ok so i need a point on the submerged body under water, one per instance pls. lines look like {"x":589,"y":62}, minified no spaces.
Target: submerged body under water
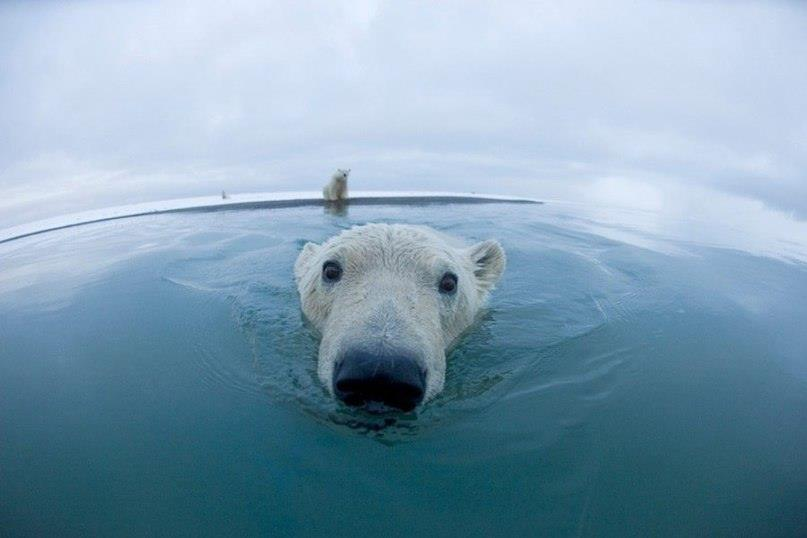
{"x":157,"y":377}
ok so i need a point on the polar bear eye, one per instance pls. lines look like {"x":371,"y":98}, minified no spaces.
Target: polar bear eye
{"x":448,"y":283}
{"x":331,"y":271}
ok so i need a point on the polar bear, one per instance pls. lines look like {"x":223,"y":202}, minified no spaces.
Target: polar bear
{"x":388,"y":300}
{"x":336,"y":189}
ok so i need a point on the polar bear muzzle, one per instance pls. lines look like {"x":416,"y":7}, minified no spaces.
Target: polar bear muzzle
{"x":397,"y":381}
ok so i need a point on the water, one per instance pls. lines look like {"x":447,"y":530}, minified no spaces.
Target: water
{"x":156,"y":377}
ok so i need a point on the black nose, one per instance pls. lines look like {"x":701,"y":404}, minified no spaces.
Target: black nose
{"x":394,"y":380}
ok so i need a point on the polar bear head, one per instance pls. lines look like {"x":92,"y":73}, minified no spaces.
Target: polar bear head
{"x":388,"y":301}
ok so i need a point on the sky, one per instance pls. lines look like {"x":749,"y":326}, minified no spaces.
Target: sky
{"x":638,"y":104}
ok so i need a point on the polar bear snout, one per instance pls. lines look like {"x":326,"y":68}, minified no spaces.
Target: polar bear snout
{"x":395,"y":380}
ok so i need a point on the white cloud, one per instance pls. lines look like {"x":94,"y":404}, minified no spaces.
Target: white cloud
{"x":146,"y":100}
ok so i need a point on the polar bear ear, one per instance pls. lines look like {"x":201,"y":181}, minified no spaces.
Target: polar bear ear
{"x":305,"y":259}
{"x":489,"y":260}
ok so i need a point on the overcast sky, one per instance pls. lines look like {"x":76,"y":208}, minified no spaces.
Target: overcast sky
{"x":108,"y":103}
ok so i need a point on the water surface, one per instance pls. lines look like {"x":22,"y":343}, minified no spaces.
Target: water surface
{"x":156,"y":377}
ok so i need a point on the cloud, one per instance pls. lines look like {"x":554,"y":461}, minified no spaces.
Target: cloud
{"x":138,"y":101}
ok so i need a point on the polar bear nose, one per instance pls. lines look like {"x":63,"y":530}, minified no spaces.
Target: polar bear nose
{"x":394,"y":380}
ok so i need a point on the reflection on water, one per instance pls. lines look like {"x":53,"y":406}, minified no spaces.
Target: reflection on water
{"x":158,"y":371}
{"x":337,"y":208}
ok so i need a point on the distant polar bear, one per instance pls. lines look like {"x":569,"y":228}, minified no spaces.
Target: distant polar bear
{"x":336,"y":189}
{"x":388,"y":301}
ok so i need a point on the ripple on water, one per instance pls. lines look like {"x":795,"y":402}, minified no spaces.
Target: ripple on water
{"x":557,"y":290}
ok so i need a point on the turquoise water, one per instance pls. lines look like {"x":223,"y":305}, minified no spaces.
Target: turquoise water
{"x":156,"y":377}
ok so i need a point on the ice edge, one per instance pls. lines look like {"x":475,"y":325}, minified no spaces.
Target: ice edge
{"x":246,"y":201}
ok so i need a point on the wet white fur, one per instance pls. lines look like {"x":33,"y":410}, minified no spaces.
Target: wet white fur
{"x":388,"y":297}
{"x":336,"y":189}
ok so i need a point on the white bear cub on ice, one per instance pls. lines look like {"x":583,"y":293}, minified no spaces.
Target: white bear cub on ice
{"x":336,"y":189}
{"x":388,"y":301}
